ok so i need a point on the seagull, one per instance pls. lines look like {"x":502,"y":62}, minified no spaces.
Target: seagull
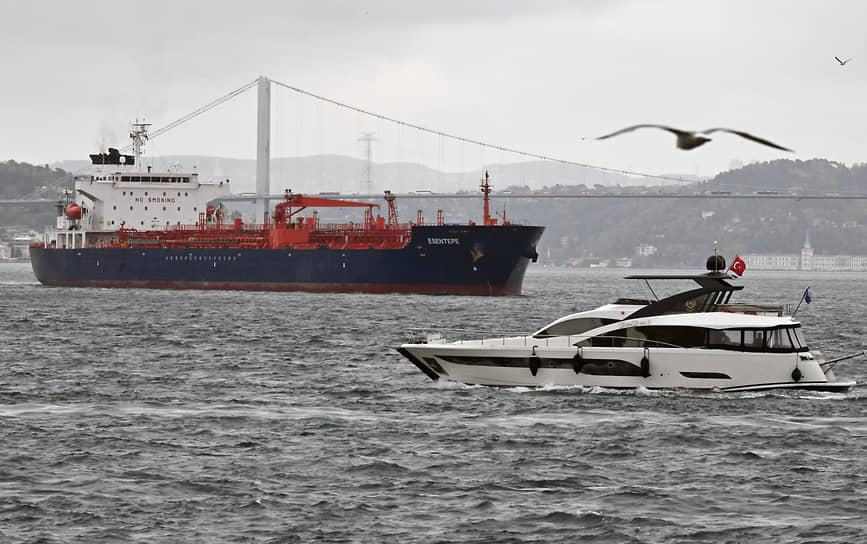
{"x":842,"y":62}
{"x":691,"y":139}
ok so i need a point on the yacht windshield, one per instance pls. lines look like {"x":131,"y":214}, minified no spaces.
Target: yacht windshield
{"x":571,"y":327}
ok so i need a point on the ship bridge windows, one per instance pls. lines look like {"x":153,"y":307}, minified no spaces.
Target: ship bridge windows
{"x":154,"y":179}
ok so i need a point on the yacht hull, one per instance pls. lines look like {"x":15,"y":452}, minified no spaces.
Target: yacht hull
{"x":652,"y":368}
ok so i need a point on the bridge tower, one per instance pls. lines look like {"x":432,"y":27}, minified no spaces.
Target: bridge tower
{"x":263,"y":149}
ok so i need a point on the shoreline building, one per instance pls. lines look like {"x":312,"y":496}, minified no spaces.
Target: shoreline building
{"x":807,"y":260}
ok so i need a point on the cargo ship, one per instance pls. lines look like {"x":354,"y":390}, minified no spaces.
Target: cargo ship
{"x":126,"y":227}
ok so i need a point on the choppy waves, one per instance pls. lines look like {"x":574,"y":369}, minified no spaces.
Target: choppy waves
{"x":136,"y":415}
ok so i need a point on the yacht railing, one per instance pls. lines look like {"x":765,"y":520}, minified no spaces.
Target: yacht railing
{"x":425,"y":336}
{"x":778,"y":310}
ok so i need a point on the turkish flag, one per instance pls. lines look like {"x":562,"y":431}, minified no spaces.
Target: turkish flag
{"x":738,"y":266}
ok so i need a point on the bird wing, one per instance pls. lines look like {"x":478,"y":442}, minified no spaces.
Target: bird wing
{"x":633,"y":127}
{"x":838,"y":60}
{"x":749,"y":136}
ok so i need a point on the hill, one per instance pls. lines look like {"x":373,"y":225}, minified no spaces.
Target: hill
{"x":19,"y":179}
{"x":683,"y":231}
{"x":579,"y":230}
{"x":333,"y":173}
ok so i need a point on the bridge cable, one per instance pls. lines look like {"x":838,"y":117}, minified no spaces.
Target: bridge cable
{"x":478,"y":142}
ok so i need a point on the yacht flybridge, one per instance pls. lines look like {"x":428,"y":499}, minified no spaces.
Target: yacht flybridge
{"x":696,"y":339}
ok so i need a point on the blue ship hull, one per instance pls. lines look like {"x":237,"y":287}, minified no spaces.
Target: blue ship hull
{"x":448,"y":259}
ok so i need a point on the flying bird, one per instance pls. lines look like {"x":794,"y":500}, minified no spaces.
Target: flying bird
{"x":691,"y":139}
{"x":842,"y":62}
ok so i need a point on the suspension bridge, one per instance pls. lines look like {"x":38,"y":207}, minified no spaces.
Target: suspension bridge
{"x":385,"y":139}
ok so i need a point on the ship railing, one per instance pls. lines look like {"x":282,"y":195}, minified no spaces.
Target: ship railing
{"x":217,"y":227}
{"x":424,"y":335}
{"x":483,"y":338}
{"x":360,"y":227}
{"x":351,"y":227}
{"x":419,"y":335}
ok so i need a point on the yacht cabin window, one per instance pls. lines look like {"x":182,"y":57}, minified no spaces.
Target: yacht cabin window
{"x":724,"y":338}
{"x":780,"y":339}
{"x":754,"y":339}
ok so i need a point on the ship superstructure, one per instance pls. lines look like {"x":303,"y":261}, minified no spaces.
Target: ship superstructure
{"x":119,"y":195}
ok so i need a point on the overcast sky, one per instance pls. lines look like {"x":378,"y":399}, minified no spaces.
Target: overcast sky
{"x":535,"y":76}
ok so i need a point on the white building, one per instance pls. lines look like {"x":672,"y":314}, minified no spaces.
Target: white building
{"x":807,"y":260}
{"x":645,"y":250}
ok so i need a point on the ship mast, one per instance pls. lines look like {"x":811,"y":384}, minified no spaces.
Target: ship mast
{"x":139,"y":134}
{"x":392,"y":210}
{"x":486,"y":188}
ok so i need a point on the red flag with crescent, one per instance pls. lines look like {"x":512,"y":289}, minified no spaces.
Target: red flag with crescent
{"x":738,"y":266}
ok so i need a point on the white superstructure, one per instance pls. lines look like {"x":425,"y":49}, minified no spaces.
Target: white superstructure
{"x":120,"y":193}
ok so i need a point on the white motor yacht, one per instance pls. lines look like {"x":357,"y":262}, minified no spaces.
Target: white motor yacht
{"x":696,"y":339}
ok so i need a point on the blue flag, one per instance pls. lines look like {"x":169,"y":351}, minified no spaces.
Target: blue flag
{"x":807,"y":298}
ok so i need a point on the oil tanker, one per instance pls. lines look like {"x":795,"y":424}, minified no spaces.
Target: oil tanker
{"x":126,"y":227}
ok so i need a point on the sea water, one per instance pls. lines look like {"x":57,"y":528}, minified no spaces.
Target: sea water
{"x":132,"y":415}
